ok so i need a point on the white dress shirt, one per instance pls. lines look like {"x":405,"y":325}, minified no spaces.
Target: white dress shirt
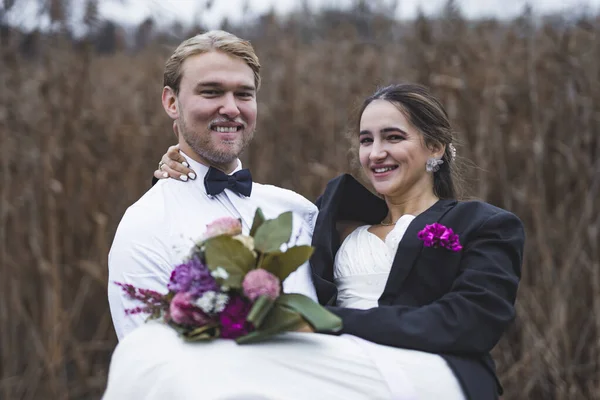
{"x":158,"y":231}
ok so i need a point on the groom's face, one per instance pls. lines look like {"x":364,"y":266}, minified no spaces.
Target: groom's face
{"x":216,"y":107}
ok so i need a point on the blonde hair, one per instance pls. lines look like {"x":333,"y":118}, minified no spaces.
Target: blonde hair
{"x":203,"y":43}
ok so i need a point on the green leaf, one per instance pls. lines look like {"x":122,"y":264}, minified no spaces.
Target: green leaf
{"x":156,"y":314}
{"x":259,"y":219}
{"x":273,"y":233}
{"x":206,"y":332}
{"x":289,"y":312}
{"x":234,"y":281}
{"x":282,"y":264}
{"x":321,"y":319}
{"x":260,"y":309}
{"x":232,"y":256}
{"x":280,"y":319}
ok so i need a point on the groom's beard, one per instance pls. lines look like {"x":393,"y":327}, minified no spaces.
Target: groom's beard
{"x":208,"y":146}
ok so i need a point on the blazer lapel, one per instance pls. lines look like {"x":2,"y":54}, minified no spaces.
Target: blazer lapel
{"x":410,"y":248}
{"x":344,"y":199}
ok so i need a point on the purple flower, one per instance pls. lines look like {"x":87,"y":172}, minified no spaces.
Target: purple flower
{"x":184,"y":312}
{"x":260,"y":282}
{"x":437,"y":235}
{"x":193,"y":277}
{"x":223,"y":226}
{"x":233,"y":318}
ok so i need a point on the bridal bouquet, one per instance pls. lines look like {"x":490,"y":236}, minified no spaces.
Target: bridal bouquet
{"x":230,"y":285}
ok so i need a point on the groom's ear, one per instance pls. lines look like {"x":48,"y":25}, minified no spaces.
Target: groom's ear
{"x":169,"y":102}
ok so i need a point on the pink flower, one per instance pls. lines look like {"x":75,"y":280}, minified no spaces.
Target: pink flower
{"x":260,"y":282}
{"x":437,"y":235}
{"x":182,"y":311}
{"x":223,"y":226}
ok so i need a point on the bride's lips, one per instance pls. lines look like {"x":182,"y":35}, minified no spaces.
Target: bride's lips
{"x":383,"y":170}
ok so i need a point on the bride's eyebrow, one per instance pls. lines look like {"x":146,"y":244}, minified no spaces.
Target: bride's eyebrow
{"x":384,"y":130}
{"x":393,"y":129}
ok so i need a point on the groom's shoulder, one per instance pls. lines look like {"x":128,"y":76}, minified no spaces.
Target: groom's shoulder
{"x":152,"y":200}
{"x":150,"y":209}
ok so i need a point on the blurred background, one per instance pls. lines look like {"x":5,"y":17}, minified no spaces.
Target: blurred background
{"x":82,"y":129}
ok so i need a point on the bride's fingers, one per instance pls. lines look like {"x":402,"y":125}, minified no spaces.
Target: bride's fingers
{"x":159,"y":174}
{"x":174,"y":154}
{"x":175,"y":170}
{"x":173,"y":165}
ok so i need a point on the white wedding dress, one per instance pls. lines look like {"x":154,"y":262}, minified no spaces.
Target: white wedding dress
{"x":153,"y":363}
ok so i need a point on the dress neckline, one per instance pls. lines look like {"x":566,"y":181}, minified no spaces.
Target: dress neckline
{"x":406,"y":220}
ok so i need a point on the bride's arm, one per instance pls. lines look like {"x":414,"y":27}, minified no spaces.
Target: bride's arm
{"x":472,"y":316}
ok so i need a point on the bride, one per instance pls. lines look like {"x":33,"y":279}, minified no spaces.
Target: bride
{"x":425,"y":285}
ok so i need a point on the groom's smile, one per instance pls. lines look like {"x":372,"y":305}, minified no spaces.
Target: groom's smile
{"x":227,"y":131}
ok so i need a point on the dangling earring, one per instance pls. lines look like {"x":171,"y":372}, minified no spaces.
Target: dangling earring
{"x":433,"y":164}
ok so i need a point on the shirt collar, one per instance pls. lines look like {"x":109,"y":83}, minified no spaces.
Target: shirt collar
{"x":201,"y":170}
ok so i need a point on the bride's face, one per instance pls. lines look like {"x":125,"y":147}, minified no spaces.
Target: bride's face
{"x":392,"y":151}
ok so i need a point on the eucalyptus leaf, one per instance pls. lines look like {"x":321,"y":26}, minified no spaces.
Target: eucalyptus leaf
{"x":321,"y":319}
{"x":260,"y":309}
{"x":273,"y":233}
{"x":234,"y":281}
{"x":259,"y":219}
{"x":282,"y":264}
{"x":232,"y":256}
{"x":206,"y":332}
{"x":279,"y":319}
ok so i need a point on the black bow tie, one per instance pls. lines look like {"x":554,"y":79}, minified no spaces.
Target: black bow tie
{"x":216,"y":181}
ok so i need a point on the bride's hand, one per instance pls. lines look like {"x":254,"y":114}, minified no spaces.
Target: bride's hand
{"x":172,"y":164}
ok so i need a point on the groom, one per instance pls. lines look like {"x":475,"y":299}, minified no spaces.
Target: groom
{"x":210,"y":87}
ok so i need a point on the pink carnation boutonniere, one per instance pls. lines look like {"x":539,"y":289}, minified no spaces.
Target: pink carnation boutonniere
{"x":437,"y":235}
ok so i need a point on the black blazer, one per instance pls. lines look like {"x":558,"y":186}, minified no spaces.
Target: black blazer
{"x":455,"y":304}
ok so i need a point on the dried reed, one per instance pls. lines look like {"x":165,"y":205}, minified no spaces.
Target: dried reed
{"x":80,"y":134}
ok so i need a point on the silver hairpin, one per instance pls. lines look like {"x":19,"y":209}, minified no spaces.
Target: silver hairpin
{"x":452,"y":150}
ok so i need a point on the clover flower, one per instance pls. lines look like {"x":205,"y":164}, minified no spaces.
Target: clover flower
{"x":259,"y":282}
